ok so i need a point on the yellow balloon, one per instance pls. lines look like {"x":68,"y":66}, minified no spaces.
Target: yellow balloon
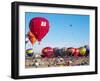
{"x":82,"y":50}
{"x":29,"y":51}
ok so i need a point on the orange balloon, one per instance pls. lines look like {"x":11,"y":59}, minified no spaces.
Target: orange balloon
{"x":32,"y":38}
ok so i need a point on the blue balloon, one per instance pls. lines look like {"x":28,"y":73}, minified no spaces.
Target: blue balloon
{"x":87,"y":50}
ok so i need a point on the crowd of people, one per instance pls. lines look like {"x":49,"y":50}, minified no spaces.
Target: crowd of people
{"x":58,"y":61}
{"x":59,"y":57}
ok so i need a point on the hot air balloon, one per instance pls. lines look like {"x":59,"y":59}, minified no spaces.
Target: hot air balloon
{"x":82,"y":51}
{"x":57,"y":52}
{"x":47,"y":51}
{"x":87,"y":50}
{"x":76,"y":52}
{"x":39,"y":26}
{"x":70,"y":51}
{"x":31,"y":37}
{"x":29,"y":52}
{"x":63,"y":52}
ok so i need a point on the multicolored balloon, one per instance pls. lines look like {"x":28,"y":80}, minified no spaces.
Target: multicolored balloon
{"x":39,"y":26}
{"x":71,"y":50}
{"x":47,"y":51}
{"x":32,"y":37}
{"x":29,"y":52}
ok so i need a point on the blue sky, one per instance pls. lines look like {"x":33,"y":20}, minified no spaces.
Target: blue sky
{"x":61,"y":34}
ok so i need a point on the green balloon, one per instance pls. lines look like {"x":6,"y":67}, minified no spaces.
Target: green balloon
{"x":82,"y":51}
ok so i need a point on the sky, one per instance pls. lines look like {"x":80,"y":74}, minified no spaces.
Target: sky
{"x":66,"y":30}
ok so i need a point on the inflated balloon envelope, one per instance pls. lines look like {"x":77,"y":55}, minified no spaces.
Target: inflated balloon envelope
{"x":29,"y":52}
{"x":39,"y":26}
{"x":82,"y":50}
{"x":47,"y":51}
{"x":32,"y":38}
